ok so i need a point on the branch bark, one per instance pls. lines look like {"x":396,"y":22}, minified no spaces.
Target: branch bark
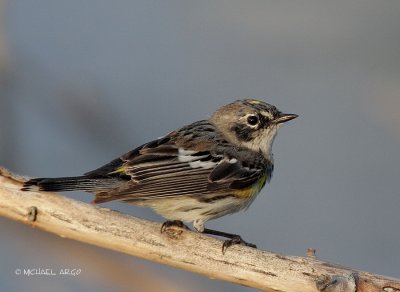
{"x":182,"y":249}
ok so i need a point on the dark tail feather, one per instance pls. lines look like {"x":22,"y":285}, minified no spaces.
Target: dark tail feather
{"x":75,"y":183}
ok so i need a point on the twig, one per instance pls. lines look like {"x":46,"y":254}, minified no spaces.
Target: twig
{"x":182,"y":249}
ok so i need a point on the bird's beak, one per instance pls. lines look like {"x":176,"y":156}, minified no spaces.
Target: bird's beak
{"x":282,"y":118}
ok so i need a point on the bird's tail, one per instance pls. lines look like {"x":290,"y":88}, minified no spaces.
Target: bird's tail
{"x":74,"y":183}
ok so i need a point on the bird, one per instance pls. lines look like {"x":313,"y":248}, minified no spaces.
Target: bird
{"x":199,"y":172}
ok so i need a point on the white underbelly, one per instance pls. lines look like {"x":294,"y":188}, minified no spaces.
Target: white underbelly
{"x":188,"y":209}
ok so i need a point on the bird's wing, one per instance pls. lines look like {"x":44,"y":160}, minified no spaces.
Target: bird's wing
{"x":165,"y":168}
{"x":234,"y":175}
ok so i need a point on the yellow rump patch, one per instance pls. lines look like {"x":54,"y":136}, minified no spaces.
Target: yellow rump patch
{"x":118,"y":170}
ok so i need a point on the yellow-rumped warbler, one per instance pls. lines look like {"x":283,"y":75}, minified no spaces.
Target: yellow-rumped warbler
{"x":200,"y":172}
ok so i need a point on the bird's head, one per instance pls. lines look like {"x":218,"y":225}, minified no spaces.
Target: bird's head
{"x":250,"y":123}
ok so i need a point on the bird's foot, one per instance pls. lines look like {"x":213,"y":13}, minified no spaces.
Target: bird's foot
{"x":233,"y":239}
{"x":172,"y":223}
{"x":237,"y":239}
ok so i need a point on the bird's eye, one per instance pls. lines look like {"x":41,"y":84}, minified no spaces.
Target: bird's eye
{"x":252,"y":120}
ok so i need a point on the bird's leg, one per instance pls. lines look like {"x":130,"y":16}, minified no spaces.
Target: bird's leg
{"x":233,"y":239}
{"x":170,"y":223}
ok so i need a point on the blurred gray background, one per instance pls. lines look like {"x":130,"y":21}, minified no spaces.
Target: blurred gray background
{"x":85,"y":81}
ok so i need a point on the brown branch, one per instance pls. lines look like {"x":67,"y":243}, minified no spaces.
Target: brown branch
{"x":182,"y":249}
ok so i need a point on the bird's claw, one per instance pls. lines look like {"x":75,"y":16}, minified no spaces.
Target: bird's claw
{"x":236,"y":240}
{"x":171,"y":223}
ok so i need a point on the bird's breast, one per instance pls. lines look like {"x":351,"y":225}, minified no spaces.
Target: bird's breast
{"x":252,"y":190}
